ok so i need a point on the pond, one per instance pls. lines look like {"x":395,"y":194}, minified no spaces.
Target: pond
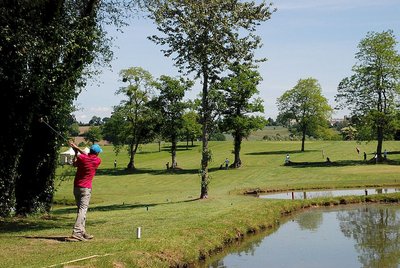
{"x":329,"y":193}
{"x":344,"y":236}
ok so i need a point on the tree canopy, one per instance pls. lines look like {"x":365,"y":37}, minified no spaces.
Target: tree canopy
{"x":372,"y":92}
{"x":172,"y":108}
{"x":305,"y":105}
{"x":241,"y":104}
{"x":46,"y":48}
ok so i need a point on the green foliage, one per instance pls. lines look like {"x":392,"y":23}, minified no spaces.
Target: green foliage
{"x":372,"y":92}
{"x":191,"y":126}
{"x":93,"y":134}
{"x":139,"y":120}
{"x":171,"y":107}
{"x":74,"y":130}
{"x":305,"y":105}
{"x":349,"y":133}
{"x":45,"y":49}
{"x":239,"y":90}
{"x":95,"y":121}
{"x":217,"y":136}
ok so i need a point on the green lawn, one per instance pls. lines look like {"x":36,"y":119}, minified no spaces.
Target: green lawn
{"x":177,"y":228}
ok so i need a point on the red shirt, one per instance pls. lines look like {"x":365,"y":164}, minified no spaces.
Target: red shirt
{"x":87,"y":165}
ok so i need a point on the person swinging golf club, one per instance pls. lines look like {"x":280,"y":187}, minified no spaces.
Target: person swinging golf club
{"x":86,"y":165}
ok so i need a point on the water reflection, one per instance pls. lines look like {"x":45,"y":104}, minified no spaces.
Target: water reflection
{"x":329,"y":193}
{"x":363,"y":236}
{"x":376,"y":234}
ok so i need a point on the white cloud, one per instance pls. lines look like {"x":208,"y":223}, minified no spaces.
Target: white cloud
{"x":329,"y":4}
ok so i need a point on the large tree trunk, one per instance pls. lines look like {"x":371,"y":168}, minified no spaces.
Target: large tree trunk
{"x":237,"y":144}
{"x":205,"y":152}
{"x":173,"y":153}
{"x":132,"y":149}
{"x":379,"y":146}
{"x":303,"y":139}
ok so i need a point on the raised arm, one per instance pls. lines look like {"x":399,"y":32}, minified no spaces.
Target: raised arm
{"x":76,"y":148}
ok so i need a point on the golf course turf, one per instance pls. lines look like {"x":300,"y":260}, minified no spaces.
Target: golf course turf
{"x":177,"y":228}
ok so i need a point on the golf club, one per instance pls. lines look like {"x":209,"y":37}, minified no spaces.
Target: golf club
{"x":41,"y":120}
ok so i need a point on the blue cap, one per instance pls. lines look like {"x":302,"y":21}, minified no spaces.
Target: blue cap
{"x":96,"y":148}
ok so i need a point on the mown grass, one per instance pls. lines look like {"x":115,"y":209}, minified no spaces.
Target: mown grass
{"x":177,"y":228}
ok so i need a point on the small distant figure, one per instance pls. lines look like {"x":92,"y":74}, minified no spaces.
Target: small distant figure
{"x":115,"y":163}
{"x":226,"y":163}
{"x":365,"y":156}
{"x":323,"y":154}
{"x":328,"y":160}
{"x":287,"y":159}
{"x":376,"y":157}
{"x":167,"y":165}
{"x":385,"y":154}
{"x":358,"y":150}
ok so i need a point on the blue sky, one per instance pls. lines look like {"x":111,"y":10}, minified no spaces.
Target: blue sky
{"x":303,"y":38}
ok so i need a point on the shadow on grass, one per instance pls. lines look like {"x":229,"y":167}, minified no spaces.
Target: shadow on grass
{"x":281,"y":152}
{"x":57,"y":238}
{"x":122,"y":206}
{"x":119,"y":172}
{"x":11,"y":225}
{"x":179,"y":148}
{"x":340,"y":163}
{"x":16,"y":225}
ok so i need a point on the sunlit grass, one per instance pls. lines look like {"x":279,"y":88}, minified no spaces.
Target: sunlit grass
{"x":176,"y":227}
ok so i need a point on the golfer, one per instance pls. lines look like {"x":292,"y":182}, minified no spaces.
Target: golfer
{"x":87,"y":165}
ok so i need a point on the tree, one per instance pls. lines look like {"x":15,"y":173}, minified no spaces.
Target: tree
{"x":205,"y":37}
{"x":372,"y":92}
{"x":305,"y":105}
{"x":95,"y":121}
{"x":115,"y":130}
{"x":172,"y":107}
{"x":93,"y":134}
{"x":141,"y":119}
{"x":191,"y":126}
{"x":45,"y":49}
{"x":239,"y":89}
{"x":375,"y":232}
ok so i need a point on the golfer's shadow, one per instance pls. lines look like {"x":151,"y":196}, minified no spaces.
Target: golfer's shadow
{"x":56,"y":238}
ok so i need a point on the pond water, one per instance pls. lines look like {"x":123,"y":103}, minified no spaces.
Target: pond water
{"x":329,"y":193}
{"x":344,"y":236}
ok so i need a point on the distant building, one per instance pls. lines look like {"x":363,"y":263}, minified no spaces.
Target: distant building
{"x":335,"y":121}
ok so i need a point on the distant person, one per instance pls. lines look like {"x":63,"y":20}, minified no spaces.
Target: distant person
{"x":226,"y":163}
{"x":328,"y":160}
{"x":365,"y":156}
{"x":385,"y":154}
{"x":167,"y":165}
{"x":86,"y":165}
{"x":115,"y":163}
{"x":358,"y":150}
{"x":287,"y":159}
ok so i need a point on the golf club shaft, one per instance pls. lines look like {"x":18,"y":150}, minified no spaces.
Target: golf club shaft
{"x":55,"y":131}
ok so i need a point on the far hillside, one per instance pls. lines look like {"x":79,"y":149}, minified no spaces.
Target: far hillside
{"x":269,"y":133}
{"x":80,"y":140}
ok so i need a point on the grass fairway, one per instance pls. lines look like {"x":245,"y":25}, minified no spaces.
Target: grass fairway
{"x":177,"y":228}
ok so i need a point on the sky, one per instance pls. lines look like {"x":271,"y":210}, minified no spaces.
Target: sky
{"x":303,"y":38}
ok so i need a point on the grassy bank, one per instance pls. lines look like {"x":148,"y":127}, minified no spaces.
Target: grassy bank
{"x":177,"y":228}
